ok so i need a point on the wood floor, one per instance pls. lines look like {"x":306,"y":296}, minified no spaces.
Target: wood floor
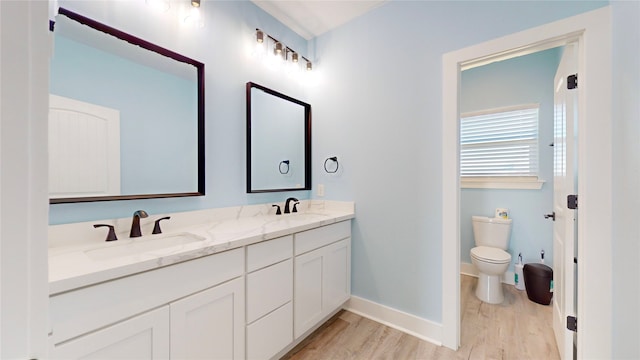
{"x":515,"y":329}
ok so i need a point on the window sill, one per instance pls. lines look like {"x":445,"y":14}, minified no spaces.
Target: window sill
{"x":516,"y":183}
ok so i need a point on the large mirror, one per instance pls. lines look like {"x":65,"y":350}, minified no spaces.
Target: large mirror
{"x":278,"y":141}
{"x":126,"y":117}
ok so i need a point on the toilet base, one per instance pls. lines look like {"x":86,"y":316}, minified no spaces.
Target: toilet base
{"x":489,"y":289}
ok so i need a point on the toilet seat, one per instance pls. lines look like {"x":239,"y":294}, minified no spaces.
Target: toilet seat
{"x":490,"y":255}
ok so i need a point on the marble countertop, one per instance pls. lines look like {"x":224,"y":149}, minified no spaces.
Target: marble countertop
{"x":74,"y":264}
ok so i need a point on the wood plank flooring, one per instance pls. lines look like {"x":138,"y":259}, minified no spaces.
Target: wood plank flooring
{"x":515,"y":329}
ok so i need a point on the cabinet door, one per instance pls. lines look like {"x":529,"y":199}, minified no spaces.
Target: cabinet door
{"x":307,"y":291}
{"x":209,"y":324}
{"x":144,"y":336}
{"x":336,"y":275}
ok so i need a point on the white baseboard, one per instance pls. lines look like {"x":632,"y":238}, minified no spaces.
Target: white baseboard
{"x":470,"y":269}
{"x":421,"y":328}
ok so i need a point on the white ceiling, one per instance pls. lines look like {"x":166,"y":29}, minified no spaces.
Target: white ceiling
{"x":311,"y":18}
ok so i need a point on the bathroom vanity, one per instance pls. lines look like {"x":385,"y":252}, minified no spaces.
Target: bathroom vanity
{"x":244,"y":284}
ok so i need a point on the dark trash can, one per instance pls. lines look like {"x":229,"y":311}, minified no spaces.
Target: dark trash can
{"x":538,"y":280}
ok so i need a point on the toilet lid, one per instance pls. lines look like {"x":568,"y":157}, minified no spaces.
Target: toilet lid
{"x":490,"y":254}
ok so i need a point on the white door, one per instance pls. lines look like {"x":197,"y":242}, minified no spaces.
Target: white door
{"x":84,"y":149}
{"x":565,"y":183}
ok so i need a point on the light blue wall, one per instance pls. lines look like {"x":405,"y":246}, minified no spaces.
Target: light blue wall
{"x":225,"y":45}
{"x":524,"y":80}
{"x":626,"y":177}
{"x":378,"y":107}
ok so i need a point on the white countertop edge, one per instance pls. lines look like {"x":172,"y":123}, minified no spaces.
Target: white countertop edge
{"x":90,"y":272}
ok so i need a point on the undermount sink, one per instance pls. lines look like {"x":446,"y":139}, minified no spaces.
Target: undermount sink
{"x":153,"y":244}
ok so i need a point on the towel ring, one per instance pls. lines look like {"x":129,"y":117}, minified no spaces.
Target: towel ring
{"x":334,"y":159}
{"x":285,"y":162}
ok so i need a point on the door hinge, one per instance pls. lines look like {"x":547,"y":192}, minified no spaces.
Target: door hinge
{"x":572,"y":81}
{"x":572,"y":202}
{"x":572,"y":323}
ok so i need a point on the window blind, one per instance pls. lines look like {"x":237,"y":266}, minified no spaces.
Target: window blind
{"x":499,"y":143}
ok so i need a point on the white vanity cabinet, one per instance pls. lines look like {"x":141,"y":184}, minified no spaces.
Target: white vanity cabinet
{"x":322,"y":268}
{"x":255,"y":301}
{"x":269,"y":297}
{"x":187,"y":310}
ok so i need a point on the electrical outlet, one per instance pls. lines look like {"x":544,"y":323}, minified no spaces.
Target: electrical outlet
{"x":320,"y":189}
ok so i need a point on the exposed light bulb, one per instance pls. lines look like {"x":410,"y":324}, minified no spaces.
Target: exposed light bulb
{"x":194,"y":19}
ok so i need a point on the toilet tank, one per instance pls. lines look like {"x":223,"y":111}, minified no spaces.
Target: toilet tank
{"x":493,"y":232}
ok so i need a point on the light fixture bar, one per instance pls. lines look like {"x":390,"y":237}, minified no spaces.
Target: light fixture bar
{"x":280,"y":48}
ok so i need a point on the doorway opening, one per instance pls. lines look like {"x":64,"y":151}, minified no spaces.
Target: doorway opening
{"x":510,"y":121}
{"x":592,"y":33}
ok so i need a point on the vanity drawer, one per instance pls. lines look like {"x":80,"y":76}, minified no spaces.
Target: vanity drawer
{"x":269,"y":252}
{"x":267,"y":336}
{"x":268,"y":289}
{"x":79,"y":311}
{"x":316,"y":238}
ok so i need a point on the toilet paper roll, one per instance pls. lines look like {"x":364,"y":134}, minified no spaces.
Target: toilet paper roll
{"x":502,"y":213}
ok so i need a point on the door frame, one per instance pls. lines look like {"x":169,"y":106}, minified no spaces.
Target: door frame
{"x":24,"y":94}
{"x":593,"y":30}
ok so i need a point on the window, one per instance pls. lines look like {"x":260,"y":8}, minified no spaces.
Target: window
{"x":499,"y":148}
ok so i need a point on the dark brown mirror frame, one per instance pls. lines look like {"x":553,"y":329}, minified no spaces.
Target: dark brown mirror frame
{"x":307,"y":139}
{"x":164,"y":52}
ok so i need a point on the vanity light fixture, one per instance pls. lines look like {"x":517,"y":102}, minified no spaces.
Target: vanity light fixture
{"x":195,"y":3}
{"x":281,"y":50}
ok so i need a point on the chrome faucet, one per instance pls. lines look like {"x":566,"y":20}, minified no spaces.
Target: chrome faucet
{"x":135,"y":223}
{"x":286,"y":205}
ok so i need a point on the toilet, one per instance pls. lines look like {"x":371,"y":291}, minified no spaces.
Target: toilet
{"x":491,"y":236}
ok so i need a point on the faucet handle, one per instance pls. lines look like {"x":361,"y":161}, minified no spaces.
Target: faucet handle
{"x":111,"y":236}
{"x":278,"y":212}
{"x":156,"y":226}
{"x":295,"y":209}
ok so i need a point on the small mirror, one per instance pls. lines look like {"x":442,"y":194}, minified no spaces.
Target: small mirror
{"x":278,"y":141}
{"x":126,"y":117}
